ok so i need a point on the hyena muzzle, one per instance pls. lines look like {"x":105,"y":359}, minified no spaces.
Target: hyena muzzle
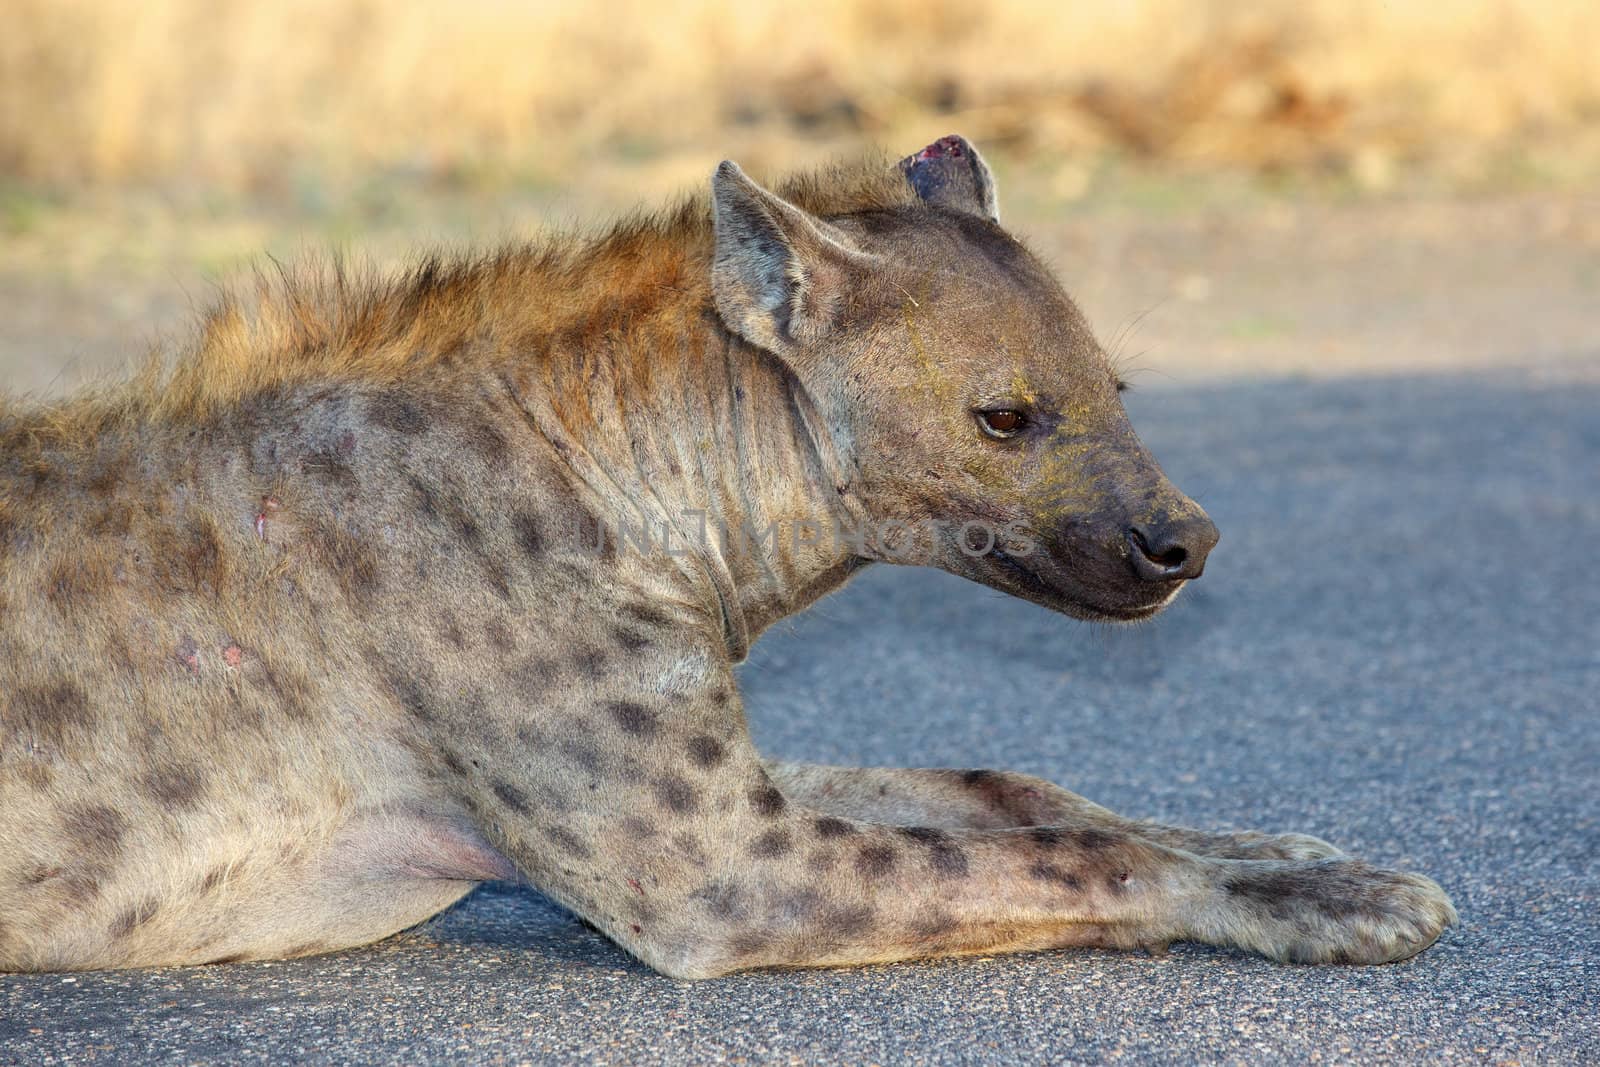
{"x":383,"y":589}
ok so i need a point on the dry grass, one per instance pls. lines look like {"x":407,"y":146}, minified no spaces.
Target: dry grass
{"x":257,"y":94}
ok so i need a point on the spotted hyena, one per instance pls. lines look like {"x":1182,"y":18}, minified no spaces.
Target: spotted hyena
{"x":383,"y":589}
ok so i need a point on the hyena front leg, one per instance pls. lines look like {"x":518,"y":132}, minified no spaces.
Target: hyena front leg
{"x":651,"y":815}
{"x":982,"y":799}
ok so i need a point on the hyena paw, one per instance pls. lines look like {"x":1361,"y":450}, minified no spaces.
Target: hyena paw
{"x":1328,"y":911}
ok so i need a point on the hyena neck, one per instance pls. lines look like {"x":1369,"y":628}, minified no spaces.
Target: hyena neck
{"x":791,"y":519}
{"x":696,"y":449}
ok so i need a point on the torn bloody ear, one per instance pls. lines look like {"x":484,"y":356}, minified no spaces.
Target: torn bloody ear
{"x":949,"y":173}
{"x":779,"y":274}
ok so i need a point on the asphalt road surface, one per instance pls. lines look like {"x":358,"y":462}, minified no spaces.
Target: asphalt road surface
{"x":1396,"y":647}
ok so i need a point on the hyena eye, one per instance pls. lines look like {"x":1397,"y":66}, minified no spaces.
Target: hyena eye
{"x":1002,"y":423}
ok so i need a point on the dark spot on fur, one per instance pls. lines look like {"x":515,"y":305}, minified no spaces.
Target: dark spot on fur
{"x":632,"y":641}
{"x":95,"y":828}
{"x":530,"y":538}
{"x":329,"y":466}
{"x":590,"y":662}
{"x":792,"y":908}
{"x":633,"y":717}
{"x":499,"y":635}
{"x":40,"y":873}
{"x":49,"y":712}
{"x":532,"y":677}
{"x":875,"y":861}
{"x":213,"y":878}
{"x":1093,"y":840}
{"x":723,"y":900}
{"x":73,"y":583}
{"x":191,"y":560}
{"x":705,"y":751}
{"x":441,"y":505}
{"x":290,"y":685}
{"x":949,"y":860}
{"x":568,"y":841}
{"x":487,"y":440}
{"x":634,"y":826}
{"x":935,"y":927}
{"x":497,"y":576}
{"x":766,"y":800}
{"x":453,"y":764}
{"x":466,"y":526}
{"x":513,"y":797}
{"x":81,"y":884}
{"x":410,"y":695}
{"x":719,"y":697}
{"x":770,"y":845}
{"x":351,"y":559}
{"x":1055,"y":837}
{"x":1049,"y":872}
{"x":644,"y":613}
{"x":678,"y":795}
{"x":177,"y":787}
{"x":393,"y":410}
{"x":828,"y":826}
{"x":79,"y":880}
{"x":850,"y":920}
{"x":689,"y":847}
{"x":1005,"y":793}
{"x":588,"y":533}
{"x":426,"y":499}
{"x":450,"y":631}
{"x":1285,"y":894}
{"x":748,"y":943}
{"x":237,"y":957}
{"x":925,"y":835}
{"x":944,"y":855}
{"x":582,"y":751}
{"x":130,"y":919}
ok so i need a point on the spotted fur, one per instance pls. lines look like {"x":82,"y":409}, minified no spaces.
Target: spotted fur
{"x":384,"y":587}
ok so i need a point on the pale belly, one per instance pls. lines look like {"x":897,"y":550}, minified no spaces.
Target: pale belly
{"x":265,"y":891}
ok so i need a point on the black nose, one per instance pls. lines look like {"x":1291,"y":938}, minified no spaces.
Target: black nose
{"x":1169,"y":551}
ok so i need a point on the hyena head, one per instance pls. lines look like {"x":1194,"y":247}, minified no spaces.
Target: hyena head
{"x":963,"y":390}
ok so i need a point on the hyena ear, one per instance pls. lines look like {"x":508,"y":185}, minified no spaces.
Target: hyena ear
{"x":950,"y":173}
{"x":779,"y":274}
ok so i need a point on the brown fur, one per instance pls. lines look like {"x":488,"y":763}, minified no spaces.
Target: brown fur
{"x":383,"y":588}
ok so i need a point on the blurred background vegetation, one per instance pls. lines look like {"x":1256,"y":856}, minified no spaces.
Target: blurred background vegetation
{"x":273,"y":97}
{"x":174,"y":139}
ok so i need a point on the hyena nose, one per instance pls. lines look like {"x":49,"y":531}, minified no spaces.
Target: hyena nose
{"x":1172,"y":550}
